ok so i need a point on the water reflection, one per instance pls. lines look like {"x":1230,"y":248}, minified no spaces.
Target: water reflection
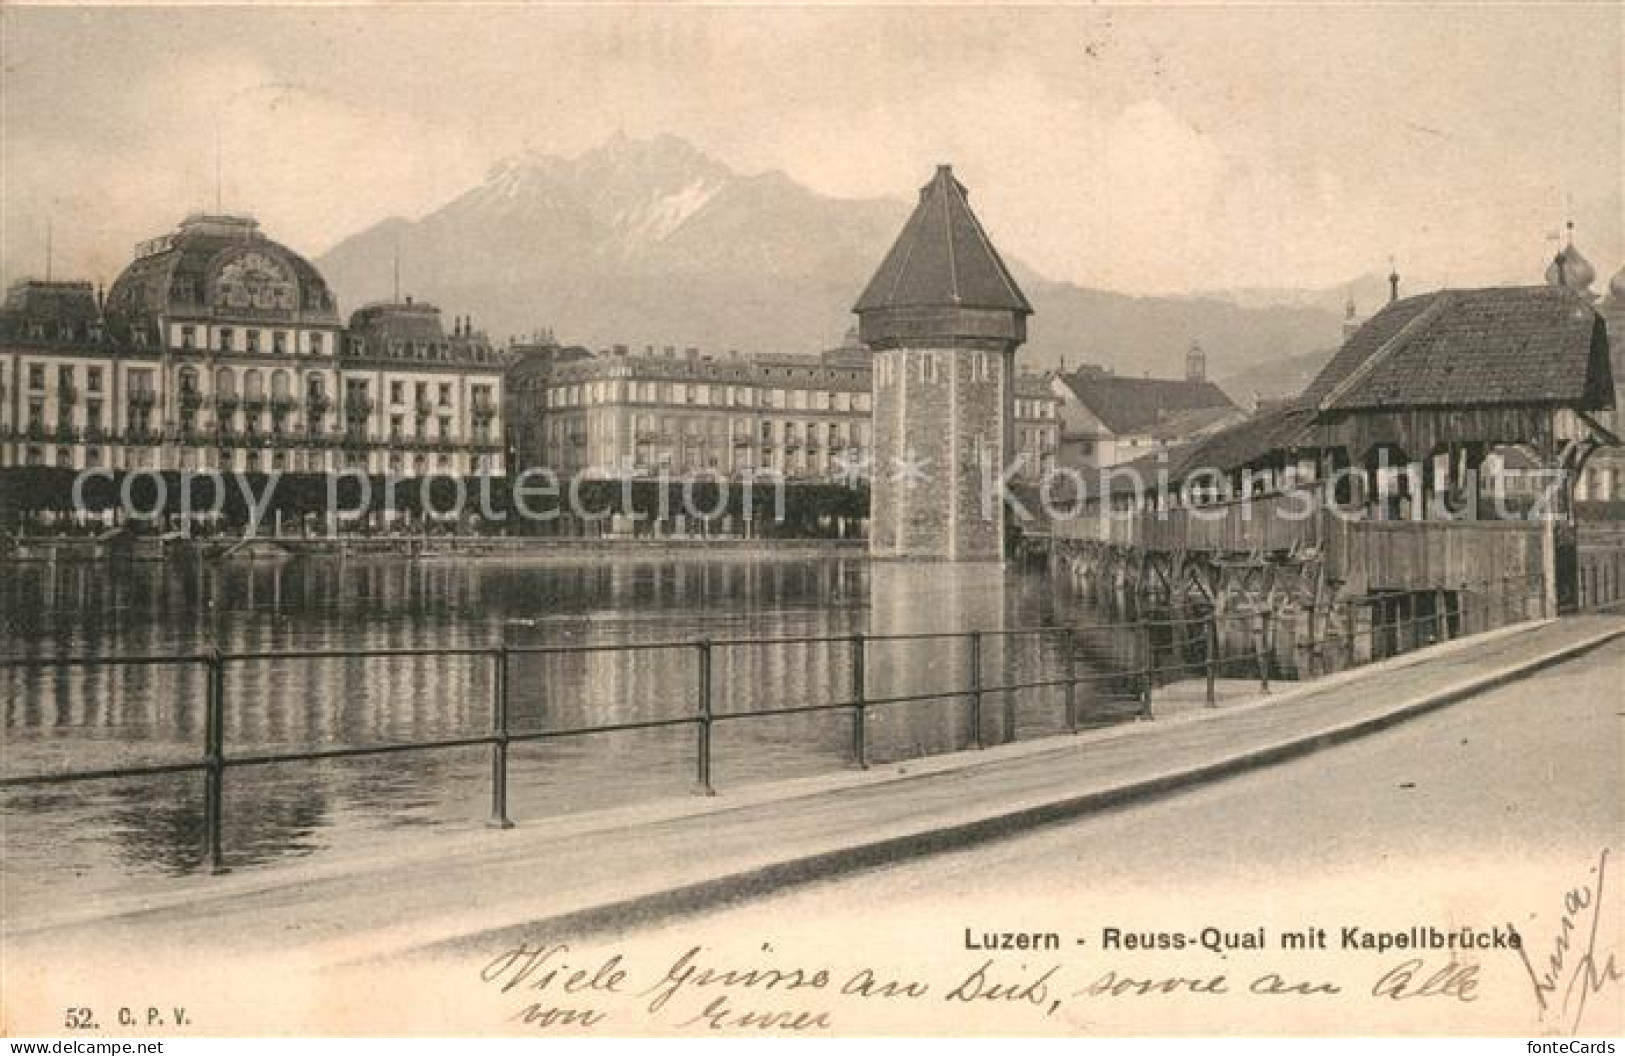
{"x":61,"y":717}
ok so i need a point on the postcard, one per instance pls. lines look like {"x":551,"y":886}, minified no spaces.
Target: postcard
{"x":911,"y":520}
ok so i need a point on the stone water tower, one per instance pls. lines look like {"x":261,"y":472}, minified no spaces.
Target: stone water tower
{"x":943,"y":317}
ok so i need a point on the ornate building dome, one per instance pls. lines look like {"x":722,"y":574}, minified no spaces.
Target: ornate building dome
{"x":221,"y":267}
{"x":1570,"y":269}
{"x":1616,"y":287}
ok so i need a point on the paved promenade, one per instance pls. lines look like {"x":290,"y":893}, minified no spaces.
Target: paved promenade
{"x":615,"y":868}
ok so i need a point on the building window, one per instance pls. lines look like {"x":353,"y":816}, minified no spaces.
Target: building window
{"x":397,"y":392}
{"x":315,"y":344}
{"x":445,"y":394}
{"x":93,"y":379}
{"x":279,"y":342}
{"x":253,"y":340}
{"x":188,"y":337}
{"x":226,"y":339}
{"x":36,"y":376}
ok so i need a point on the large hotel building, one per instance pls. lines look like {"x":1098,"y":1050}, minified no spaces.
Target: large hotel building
{"x":219,"y":349}
{"x":804,"y":417}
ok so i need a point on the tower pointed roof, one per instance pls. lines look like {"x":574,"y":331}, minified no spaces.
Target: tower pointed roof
{"x":943,"y":259}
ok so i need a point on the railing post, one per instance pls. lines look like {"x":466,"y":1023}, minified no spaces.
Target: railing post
{"x":860,"y":741}
{"x":499,"y":731}
{"x":1210,"y":632}
{"x":976,"y":689}
{"x":1070,"y":643}
{"x":1350,"y":623}
{"x":1441,"y":618}
{"x":1149,"y":675}
{"x":1264,"y":651}
{"x":214,"y":757}
{"x":703,"y":746}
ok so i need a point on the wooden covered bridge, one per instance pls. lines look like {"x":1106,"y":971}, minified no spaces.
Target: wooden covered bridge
{"x":1381,"y":482}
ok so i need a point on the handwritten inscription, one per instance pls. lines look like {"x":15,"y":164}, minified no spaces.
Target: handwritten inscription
{"x":1575,"y":966}
{"x":1413,"y":979}
{"x":1025,"y":973}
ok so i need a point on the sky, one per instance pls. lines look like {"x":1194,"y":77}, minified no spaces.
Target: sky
{"x":1151,"y":149}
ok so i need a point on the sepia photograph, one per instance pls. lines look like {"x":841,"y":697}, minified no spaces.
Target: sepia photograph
{"x":914,"y":520}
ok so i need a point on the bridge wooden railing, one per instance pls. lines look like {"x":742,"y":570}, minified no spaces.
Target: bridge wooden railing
{"x":1364,"y":553}
{"x":1285,"y":521}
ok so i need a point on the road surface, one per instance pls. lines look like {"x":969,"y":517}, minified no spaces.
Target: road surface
{"x":1482,"y":814}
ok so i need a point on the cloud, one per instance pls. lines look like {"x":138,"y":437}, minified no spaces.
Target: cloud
{"x":309,"y":166}
{"x":1191,"y":148}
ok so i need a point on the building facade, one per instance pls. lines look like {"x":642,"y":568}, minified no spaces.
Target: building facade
{"x":1109,"y":420}
{"x":682,"y":412}
{"x":220,"y":349}
{"x":625,"y":414}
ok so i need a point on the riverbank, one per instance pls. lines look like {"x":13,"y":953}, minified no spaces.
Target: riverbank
{"x":611,"y":867}
{"x":273,"y":548}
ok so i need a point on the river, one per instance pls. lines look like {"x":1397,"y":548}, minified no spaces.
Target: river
{"x":115,"y":835}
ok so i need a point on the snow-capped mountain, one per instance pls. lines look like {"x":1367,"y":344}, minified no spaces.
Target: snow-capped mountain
{"x":654,"y":242}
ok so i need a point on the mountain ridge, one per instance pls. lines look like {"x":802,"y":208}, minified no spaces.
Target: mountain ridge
{"x":653,"y":241}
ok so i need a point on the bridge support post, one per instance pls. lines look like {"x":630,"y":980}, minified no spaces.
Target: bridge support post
{"x":702,"y":653}
{"x":1548,"y":567}
{"x":1211,"y":649}
{"x":1150,"y":671}
{"x":214,"y":756}
{"x":860,"y":745}
{"x":976,"y":690}
{"x":1264,"y":651}
{"x":1070,"y":643}
{"x":499,"y":730}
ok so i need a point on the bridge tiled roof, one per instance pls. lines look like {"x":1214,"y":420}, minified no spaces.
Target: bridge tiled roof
{"x":1466,"y":348}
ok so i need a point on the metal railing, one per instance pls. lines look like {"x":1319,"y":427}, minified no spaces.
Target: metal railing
{"x":1143,"y":673}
